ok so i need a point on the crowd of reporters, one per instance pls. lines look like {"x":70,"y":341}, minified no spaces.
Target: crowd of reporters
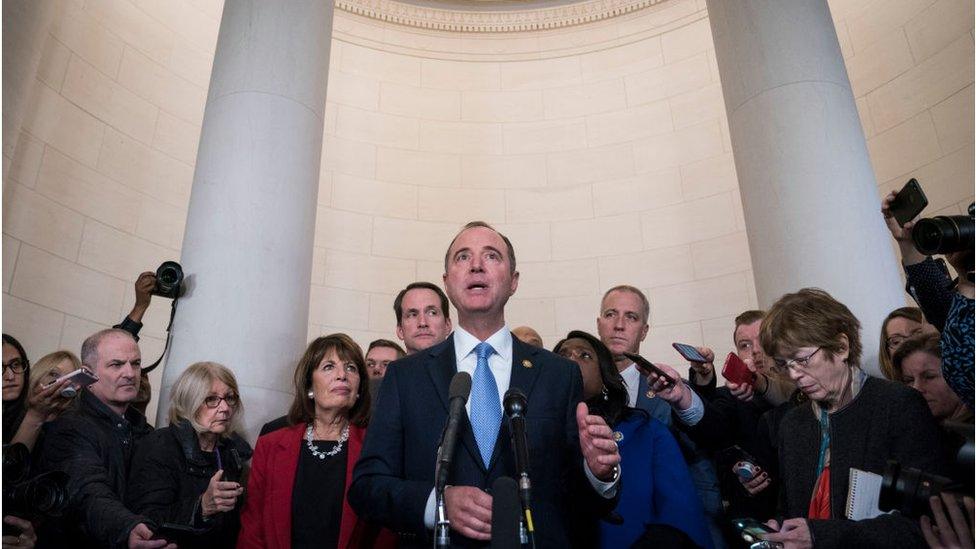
{"x":779,"y":447}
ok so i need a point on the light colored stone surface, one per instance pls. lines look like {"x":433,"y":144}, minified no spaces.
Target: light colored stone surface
{"x":602,"y":146}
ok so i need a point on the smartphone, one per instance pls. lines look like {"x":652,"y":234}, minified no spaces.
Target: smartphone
{"x":647,"y":368}
{"x":751,"y":529}
{"x":177,"y":533}
{"x":908,"y":203}
{"x":78,"y":379}
{"x":736,"y":371}
{"x":741,"y":462}
{"x":689,"y":352}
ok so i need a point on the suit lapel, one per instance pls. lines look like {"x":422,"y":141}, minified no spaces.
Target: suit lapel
{"x":286,"y":462}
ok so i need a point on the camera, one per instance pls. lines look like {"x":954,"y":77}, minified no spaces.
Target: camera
{"x":944,"y":234}
{"x":44,"y":495}
{"x":169,"y":280}
{"x":907,"y":490}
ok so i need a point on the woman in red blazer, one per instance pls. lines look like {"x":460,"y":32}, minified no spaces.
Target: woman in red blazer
{"x":296,"y":491}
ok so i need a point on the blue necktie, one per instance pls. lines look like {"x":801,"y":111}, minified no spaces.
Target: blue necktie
{"x":486,"y":409}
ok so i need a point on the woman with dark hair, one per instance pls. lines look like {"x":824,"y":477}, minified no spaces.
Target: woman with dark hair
{"x":16,"y":377}
{"x":301,"y":473}
{"x":658,"y":504}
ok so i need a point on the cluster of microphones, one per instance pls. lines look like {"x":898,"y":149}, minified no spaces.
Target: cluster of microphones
{"x":511,"y":514}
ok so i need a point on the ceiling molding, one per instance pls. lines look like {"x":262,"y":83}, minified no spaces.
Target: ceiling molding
{"x":514,"y":20}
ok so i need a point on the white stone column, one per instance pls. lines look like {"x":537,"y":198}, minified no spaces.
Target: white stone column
{"x":247,"y":250}
{"x":809,"y":194}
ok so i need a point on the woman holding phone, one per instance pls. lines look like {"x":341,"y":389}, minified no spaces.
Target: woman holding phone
{"x":190,"y":472}
{"x":658,"y":502}
{"x":46,"y":401}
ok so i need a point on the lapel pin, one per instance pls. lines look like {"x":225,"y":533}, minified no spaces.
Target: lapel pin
{"x":617,"y":436}
{"x":526,"y":363}
{"x":650,"y":394}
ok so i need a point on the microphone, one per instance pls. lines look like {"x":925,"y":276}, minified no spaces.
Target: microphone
{"x":458,"y":393}
{"x":506,"y":513}
{"x":516,"y":405}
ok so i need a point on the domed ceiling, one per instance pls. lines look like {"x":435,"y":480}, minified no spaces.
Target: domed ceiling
{"x":491,"y":15}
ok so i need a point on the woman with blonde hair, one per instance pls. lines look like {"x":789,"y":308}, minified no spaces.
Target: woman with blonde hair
{"x":189,"y":473}
{"x":45,"y":402}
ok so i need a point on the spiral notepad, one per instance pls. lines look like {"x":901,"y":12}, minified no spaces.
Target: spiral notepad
{"x":862,"y":495}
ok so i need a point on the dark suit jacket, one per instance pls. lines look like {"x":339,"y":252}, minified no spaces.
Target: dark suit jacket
{"x":395,"y":473}
{"x":266,"y":518}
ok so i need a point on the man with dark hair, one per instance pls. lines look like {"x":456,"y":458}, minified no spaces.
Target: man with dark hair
{"x":92,"y":443}
{"x":379,"y":355}
{"x":423,"y":316}
{"x":394,"y":479}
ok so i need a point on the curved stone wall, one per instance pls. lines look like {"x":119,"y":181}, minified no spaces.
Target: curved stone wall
{"x":601,"y":148}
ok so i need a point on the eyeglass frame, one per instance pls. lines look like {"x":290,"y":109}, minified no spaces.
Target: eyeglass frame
{"x":19,"y":361}
{"x":227,"y":399}
{"x":903,"y":338}
{"x":800,"y":363}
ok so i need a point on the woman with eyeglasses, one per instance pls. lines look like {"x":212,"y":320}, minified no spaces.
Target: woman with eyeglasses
{"x":16,"y":376}
{"x":190,"y":473}
{"x":851,"y":421}
{"x":900,"y":325}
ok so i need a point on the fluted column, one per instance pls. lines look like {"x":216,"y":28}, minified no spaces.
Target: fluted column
{"x":809,"y":194}
{"x":247,"y":249}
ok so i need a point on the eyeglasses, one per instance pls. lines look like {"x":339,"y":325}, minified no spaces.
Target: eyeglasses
{"x":16,"y":366}
{"x":213,"y":401}
{"x":800,"y":363}
{"x":896,"y":340}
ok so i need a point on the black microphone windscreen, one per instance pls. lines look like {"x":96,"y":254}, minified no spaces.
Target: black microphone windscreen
{"x":460,"y":386}
{"x":506,"y":510}
{"x":515,"y":402}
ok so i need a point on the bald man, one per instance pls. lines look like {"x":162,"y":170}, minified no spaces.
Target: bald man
{"x":526,"y":334}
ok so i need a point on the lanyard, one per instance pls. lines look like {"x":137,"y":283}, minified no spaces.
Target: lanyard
{"x":824,"y":440}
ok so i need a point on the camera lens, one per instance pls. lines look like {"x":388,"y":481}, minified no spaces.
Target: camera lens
{"x":943,"y":234}
{"x":169,"y":279}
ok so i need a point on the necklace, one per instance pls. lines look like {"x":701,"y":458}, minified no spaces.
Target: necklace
{"x":314,"y":449}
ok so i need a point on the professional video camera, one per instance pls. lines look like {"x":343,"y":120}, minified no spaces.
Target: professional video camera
{"x":42,"y":496}
{"x":908,"y":490}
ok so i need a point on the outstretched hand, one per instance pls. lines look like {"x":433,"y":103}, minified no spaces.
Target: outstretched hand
{"x":596,"y":442}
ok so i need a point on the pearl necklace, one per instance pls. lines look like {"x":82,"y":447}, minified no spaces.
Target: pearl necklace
{"x":322,"y":455}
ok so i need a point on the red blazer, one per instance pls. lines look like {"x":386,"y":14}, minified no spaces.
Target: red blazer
{"x":266,"y":518}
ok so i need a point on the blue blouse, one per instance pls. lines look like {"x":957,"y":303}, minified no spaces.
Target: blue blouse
{"x":656,"y":487}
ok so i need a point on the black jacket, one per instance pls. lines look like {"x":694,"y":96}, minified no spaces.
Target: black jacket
{"x":884,"y":421}
{"x":93,"y":445}
{"x":169,"y":473}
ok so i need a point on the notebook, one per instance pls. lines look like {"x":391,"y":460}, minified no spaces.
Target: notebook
{"x":862,"y":495}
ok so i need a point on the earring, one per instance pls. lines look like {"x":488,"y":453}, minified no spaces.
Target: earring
{"x":311,"y":394}
{"x":606,"y":395}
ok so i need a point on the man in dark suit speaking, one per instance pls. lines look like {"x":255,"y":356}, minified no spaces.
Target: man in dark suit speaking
{"x":574,"y":459}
